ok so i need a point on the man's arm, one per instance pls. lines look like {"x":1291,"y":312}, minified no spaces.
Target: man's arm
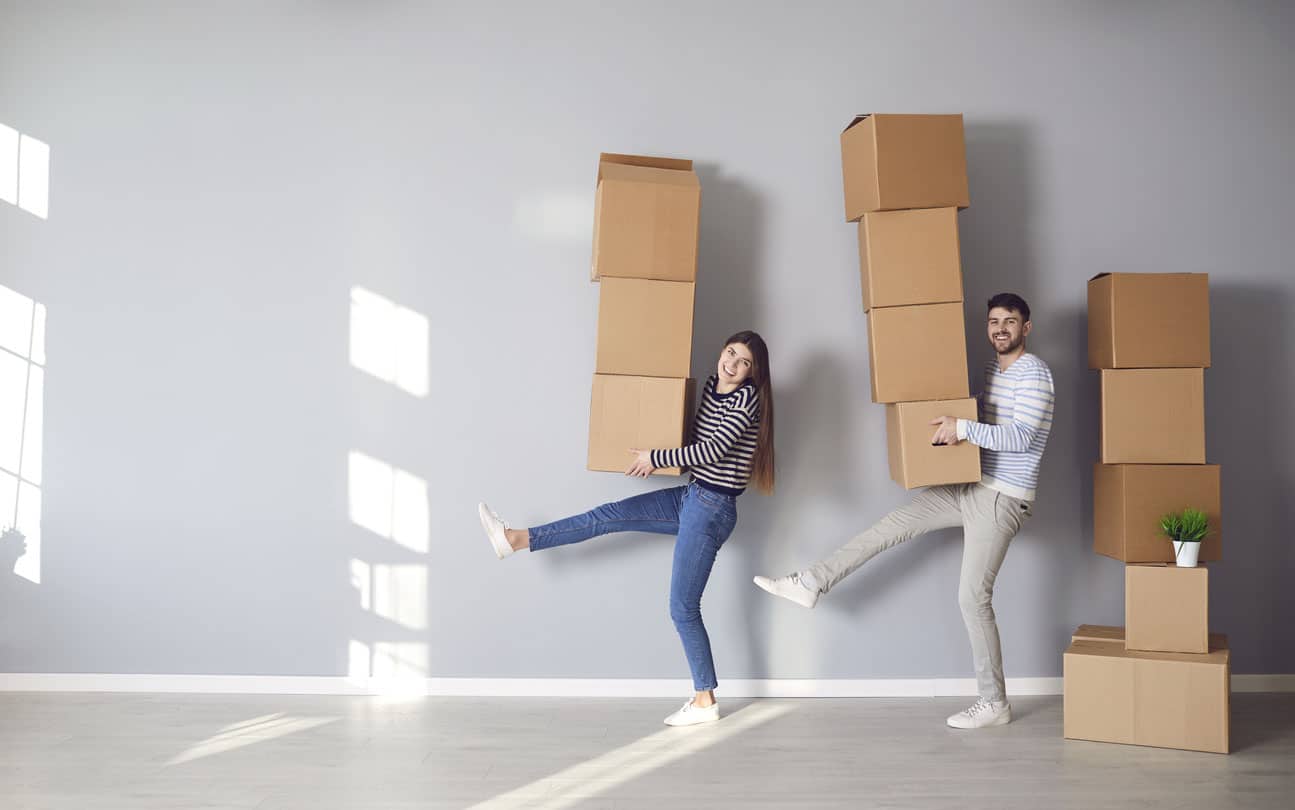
{"x":1032,"y":399}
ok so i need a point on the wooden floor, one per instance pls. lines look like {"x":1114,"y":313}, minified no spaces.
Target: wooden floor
{"x":139,"y":752}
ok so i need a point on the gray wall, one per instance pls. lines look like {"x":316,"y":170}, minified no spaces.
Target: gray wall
{"x":222,"y":180}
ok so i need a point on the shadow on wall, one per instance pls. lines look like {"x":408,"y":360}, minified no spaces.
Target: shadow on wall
{"x":816,"y":435}
{"x":729,"y":282}
{"x":1093,"y":590}
{"x":1248,"y":393}
{"x":728,"y":249}
{"x":999,"y":254}
{"x":13,"y":545}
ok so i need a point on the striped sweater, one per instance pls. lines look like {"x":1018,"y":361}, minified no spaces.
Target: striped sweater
{"x":1016,"y":407}
{"x":723,"y":439}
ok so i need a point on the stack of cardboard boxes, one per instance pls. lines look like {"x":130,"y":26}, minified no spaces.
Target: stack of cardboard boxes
{"x":646,"y":214}
{"x":1163,"y":679}
{"x":905,"y":178}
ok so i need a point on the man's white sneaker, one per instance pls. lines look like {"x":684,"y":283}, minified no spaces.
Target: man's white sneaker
{"x":691,"y":715}
{"x":983,"y":714}
{"x":495,"y":527}
{"x":790,"y":587}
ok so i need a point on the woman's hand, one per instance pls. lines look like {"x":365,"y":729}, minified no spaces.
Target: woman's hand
{"x":642,"y":466}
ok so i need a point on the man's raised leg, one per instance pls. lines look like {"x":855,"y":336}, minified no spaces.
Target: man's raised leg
{"x":933,"y":508}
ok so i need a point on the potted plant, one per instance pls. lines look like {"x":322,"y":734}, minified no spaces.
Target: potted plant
{"x":1186,"y":529}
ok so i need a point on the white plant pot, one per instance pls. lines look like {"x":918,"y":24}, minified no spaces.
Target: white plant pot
{"x":1185,"y":554}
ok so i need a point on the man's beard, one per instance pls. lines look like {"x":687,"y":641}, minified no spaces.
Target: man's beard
{"x":1012,"y":345}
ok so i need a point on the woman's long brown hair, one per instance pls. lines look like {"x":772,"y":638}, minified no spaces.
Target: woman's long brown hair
{"x":762,"y":472}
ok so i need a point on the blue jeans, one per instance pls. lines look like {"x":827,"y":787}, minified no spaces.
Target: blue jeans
{"x":702,"y":519}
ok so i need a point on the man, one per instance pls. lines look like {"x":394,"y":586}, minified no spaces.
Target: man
{"x":1016,"y":407}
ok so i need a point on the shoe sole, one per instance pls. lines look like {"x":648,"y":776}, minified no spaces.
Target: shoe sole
{"x":697,"y":723}
{"x":769,"y":590}
{"x":1000,"y":722}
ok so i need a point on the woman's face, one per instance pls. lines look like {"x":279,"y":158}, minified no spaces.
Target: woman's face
{"x":735,"y":364}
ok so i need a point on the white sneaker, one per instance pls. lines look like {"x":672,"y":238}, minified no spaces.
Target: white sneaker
{"x":691,"y":715}
{"x":495,"y":528}
{"x":983,"y":714}
{"x":790,"y":587}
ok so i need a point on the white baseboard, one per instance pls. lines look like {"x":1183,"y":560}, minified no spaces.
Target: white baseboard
{"x":732,"y":687}
{"x":185,"y":684}
{"x":554,"y":687}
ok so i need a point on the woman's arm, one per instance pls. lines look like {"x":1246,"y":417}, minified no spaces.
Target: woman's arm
{"x":736,"y":418}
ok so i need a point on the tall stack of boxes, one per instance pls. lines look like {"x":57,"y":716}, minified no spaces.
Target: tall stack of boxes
{"x":646,"y":214}
{"x":1163,"y":679}
{"x":905,"y":178}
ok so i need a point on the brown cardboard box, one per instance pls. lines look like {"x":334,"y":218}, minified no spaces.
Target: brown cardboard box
{"x":1115,"y":635}
{"x":645,"y":327}
{"x":1099,"y":632}
{"x":918,"y":353}
{"x":1167,"y":700}
{"x":892,"y":162}
{"x":1130,"y":499}
{"x":909,"y":257}
{"x":914,"y":462}
{"x":1149,"y":320}
{"x":1166,"y":608}
{"x":646,"y":215}
{"x":1153,"y":416}
{"x":648,"y":413}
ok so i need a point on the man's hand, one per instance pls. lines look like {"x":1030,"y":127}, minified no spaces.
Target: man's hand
{"x":642,"y":466}
{"x":946,"y":430}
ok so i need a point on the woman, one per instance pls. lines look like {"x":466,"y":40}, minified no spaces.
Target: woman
{"x":732,"y":446}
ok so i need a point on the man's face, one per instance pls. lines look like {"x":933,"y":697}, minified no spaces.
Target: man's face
{"x":1006,"y":331}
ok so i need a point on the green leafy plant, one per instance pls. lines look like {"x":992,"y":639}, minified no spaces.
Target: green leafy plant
{"x":1187,"y":526}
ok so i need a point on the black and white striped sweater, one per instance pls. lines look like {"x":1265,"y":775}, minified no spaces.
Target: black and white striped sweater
{"x":723,"y":439}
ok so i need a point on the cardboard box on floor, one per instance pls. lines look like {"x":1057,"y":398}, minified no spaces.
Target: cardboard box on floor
{"x":1130,"y":499}
{"x":891,"y":162}
{"x":1166,"y":608}
{"x":1108,"y":634}
{"x":1153,"y":416}
{"x":914,"y":462}
{"x":1149,"y":320}
{"x":648,"y":413}
{"x":1166,"y":700}
{"x":646,"y":216}
{"x":918,"y":353}
{"x":909,"y":257}
{"x":645,"y":327}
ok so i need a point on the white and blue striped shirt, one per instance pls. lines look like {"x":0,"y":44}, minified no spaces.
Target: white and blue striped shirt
{"x":1016,"y":407}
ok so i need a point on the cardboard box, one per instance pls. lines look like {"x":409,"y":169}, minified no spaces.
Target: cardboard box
{"x":918,"y":353}
{"x":650,"y":413}
{"x":909,"y":257}
{"x":1149,"y":320}
{"x":1153,"y":416}
{"x":1115,"y":635}
{"x":1166,"y":608}
{"x":914,"y":461}
{"x":1166,"y":700}
{"x":646,"y":216}
{"x":1099,"y":632}
{"x":1130,"y":499}
{"x":892,"y":162}
{"x":645,"y":327}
